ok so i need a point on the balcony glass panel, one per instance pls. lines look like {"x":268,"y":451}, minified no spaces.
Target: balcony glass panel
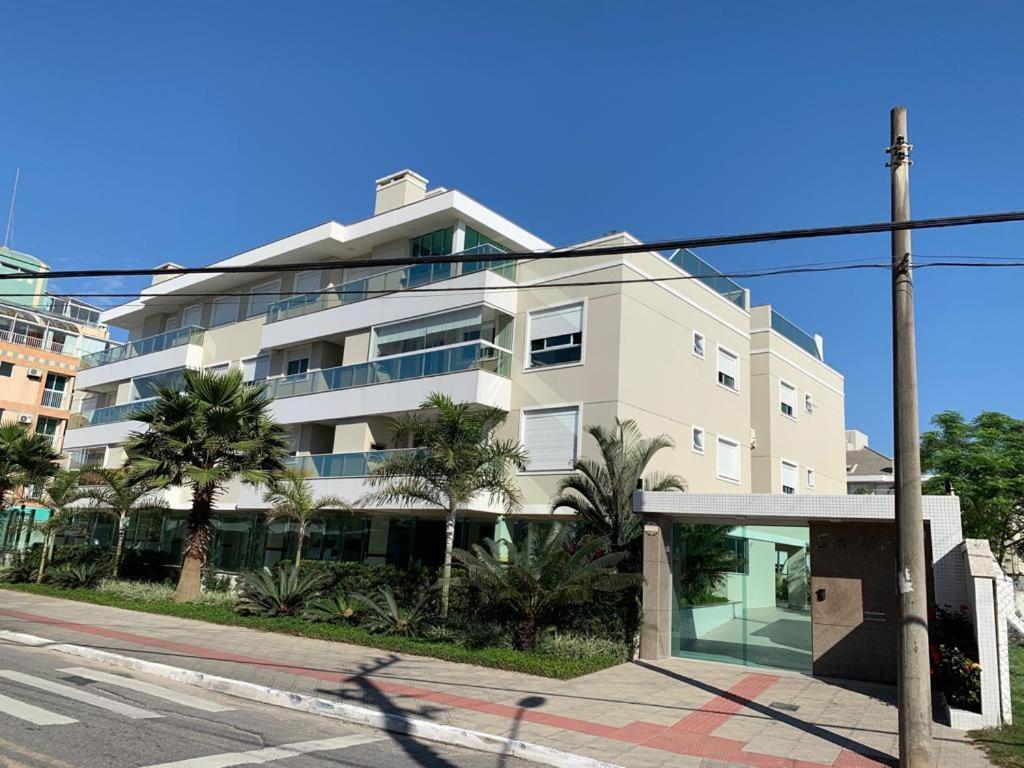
{"x":693,"y":264}
{"x":342,"y":464}
{"x":389,"y":282}
{"x":107,"y":415}
{"x":465,"y":357}
{"x":189,"y":335}
{"x":790,"y":330}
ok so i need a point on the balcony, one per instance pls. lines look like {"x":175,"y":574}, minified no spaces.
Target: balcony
{"x":694,"y":265}
{"x":180,"y":348}
{"x":103,"y":426}
{"x":474,"y":372}
{"x":31,"y":340}
{"x":342,"y":464}
{"x":53,"y":398}
{"x":108,"y":415}
{"x":791,"y":331}
{"x":169,"y":340}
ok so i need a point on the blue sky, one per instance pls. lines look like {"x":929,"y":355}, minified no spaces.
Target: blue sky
{"x":190,"y":131}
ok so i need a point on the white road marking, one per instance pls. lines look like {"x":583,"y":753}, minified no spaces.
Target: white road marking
{"x":184,"y":699}
{"x":76,"y":694}
{"x":282,"y":752}
{"x":33,"y":714}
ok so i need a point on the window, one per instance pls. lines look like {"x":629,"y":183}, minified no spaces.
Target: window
{"x":789,"y":477}
{"x":192,"y":315}
{"x":219,"y":368}
{"x":787,"y":399}
{"x":456,"y":327}
{"x":88,"y":458}
{"x":728,"y":369}
{"x":225,"y":310}
{"x":256,"y":368}
{"x":145,"y":387}
{"x":6,"y":369}
{"x":307,"y":282}
{"x":549,"y":437}
{"x":556,"y":336}
{"x":297,"y":367}
{"x":698,"y":440}
{"x":810,"y":477}
{"x":808,"y":402}
{"x":47,"y":428}
{"x":262,"y":296}
{"x":698,"y":344}
{"x":438,"y":243}
{"x":728,"y":460}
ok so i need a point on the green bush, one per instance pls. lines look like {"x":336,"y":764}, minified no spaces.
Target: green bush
{"x":223,"y":599}
{"x":136,"y":590}
{"x":284,"y":593}
{"x":337,"y":609}
{"x":148,"y":565}
{"x":20,"y":569}
{"x":74,"y":575}
{"x":569,"y":646}
{"x":953,"y":654}
{"x":385,"y":614}
{"x":347,"y":578}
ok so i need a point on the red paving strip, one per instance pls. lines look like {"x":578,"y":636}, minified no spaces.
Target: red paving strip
{"x":690,"y":736}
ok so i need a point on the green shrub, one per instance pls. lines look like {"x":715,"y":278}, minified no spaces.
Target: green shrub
{"x":148,"y":565}
{"x":264,"y":593}
{"x":387,"y":615}
{"x":348,"y":578}
{"x":143,"y":591}
{"x":74,"y":575}
{"x":223,"y":599}
{"x":19,"y":570}
{"x":953,"y":653}
{"x":570,"y":646}
{"x":337,"y":609}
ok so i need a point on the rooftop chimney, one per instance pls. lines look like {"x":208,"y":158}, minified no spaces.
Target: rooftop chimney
{"x":398,"y":189}
{"x":856,"y":440}
{"x":159,"y":278}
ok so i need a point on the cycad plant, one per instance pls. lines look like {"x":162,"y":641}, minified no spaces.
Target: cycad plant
{"x":116,"y":494}
{"x":337,"y":609}
{"x":542,"y":576}
{"x":201,"y":434}
{"x":25,"y":459}
{"x":458,"y":459}
{"x":290,"y":496}
{"x":284,"y":593}
{"x":59,"y":493}
{"x":387,"y":615}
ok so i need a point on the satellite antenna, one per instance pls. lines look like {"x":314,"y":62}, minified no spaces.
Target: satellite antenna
{"x":10,"y":213}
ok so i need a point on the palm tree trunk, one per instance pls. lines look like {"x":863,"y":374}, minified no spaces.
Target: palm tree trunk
{"x":198,"y":535}
{"x":526,"y":633}
{"x":120,"y":545}
{"x":298,"y":546}
{"x":449,"y":545}
{"x":47,"y":546}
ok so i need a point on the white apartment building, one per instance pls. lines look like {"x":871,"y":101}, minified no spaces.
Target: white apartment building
{"x":745,"y":394}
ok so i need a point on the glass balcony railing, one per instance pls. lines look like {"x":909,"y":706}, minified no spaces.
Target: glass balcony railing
{"x":176,"y":338}
{"x":466,"y":357}
{"x":693,"y":264}
{"x":108,"y":415}
{"x":343,"y":464}
{"x":389,"y":282}
{"x":790,"y":330}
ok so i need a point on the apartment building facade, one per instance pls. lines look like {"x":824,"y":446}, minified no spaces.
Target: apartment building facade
{"x":744,"y":393}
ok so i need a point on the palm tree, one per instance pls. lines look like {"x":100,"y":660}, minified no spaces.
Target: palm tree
{"x":201,"y":436}
{"x":706,"y":558}
{"x":541,"y":577}
{"x":458,"y":459}
{"x":59,"y":492}
{"x":291,"y":496}
{"x":25,"y":459}
{"x":116,"y":494}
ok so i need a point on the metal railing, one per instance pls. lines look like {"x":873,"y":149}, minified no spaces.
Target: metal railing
{"x":189,"y":335}
{"x":790,"y":330}
{"x":52,"y":398}
{"x":478,"y":355}
{"x":343,"y":464}
{"x":39,"y":342}
{"x":107,"y":415}
{"x":389,"y":282}
{"x":693,"y":264}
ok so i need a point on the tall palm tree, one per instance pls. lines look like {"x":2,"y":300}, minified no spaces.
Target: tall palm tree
{"x":291,"y":497}
{"x":201,"y":436}
{"x":25,"y":459}
{"x":116,"y":494}
{"x":59,"y":492}
{"x":540,"y":577}
{"x":600,"y":492}
{"x":458,"y":459}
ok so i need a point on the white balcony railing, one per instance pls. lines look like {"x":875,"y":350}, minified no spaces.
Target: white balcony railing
{"x":53,"y":399}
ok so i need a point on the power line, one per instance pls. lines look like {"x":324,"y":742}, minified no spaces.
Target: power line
{"x":571,"y":252}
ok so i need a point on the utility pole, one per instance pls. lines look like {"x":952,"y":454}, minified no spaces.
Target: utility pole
{"x":913,"y":677}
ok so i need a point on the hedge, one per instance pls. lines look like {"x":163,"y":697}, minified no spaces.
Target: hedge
{"x":531,"y":663}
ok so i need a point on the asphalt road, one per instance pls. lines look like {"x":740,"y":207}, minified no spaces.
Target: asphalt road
{"x":57,"y":711}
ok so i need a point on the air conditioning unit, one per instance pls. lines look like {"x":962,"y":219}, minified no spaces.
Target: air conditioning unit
{"x":35,"y":373}
{"x":25,"y":419}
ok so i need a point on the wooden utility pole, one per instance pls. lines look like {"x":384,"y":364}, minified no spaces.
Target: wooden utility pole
{"x":914,"y":680}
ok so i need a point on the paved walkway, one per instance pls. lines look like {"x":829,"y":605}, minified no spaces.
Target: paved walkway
{"x":672,"y":714}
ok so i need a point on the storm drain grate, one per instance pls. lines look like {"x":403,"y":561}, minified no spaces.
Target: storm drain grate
{"x":783,"y":706}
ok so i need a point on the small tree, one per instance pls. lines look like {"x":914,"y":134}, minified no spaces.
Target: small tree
{"x":290,"y":495}
{"x":25,"y":459}
{"x":59,"y":492}
{"x":114,"y":493}
{"x":541,"y":577}
{"x":706,"y":558}
{"x":458,"y":460}
{"x":201,"y":434}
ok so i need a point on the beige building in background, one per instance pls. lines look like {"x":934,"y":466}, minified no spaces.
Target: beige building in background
{"x":744,"y":393}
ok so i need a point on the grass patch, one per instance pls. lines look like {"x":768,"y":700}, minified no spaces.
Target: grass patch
{"x":1005,"y":746}
{"x":531,"y":663}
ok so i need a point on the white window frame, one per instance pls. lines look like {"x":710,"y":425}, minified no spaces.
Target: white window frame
{"x":783,"y":463}
{"x":808,"y":402}
{"x":220,"y":301}
{"x":703,"y":440}
{"x":267,"y":287}
{"x":578,"y":438}
{"x":739,"y":454}
{"x":306,"y":273}
{"x":811,"y":479}
{"x":298,"y":353}
{"x":719,"y":348}
{"x":186,"y":310}
{"x":784,"y":385}
{"x":527,"y":368}
{"x":106,"y":452}
{"x":254,"y":360}
{"x":226,"y":364}
{"x":702,"y":355}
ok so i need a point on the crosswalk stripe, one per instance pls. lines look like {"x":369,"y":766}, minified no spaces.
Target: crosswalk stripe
{"x":184,"y":699}
{"x":260,"y":756}
{"x":35,"y":715}
{"x":77,"y":695}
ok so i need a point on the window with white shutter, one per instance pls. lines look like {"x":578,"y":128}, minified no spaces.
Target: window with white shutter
{"x":225,"y":310}
{"x":192,"y":315}
{"x":256,"y":368}
{"x":262,"y":296}
{"x":307,"y":282}
{"x":728,"y":369}
{"x":698,"y":344}
{"x":728,"y":460}
{"x":550,"y":438}
{"x":790,"y":477}
{"x":698,"y":440}
{"x":556,"y":336}
{"x":787,"y":399}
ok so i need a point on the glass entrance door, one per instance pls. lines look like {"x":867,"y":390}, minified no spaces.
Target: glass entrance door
{"x":742,"y":594}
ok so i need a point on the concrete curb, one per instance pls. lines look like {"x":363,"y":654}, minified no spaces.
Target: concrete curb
{"x":372,"y":718}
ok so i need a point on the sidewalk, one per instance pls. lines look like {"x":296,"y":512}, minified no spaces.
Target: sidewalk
{"x":672,"y":714}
